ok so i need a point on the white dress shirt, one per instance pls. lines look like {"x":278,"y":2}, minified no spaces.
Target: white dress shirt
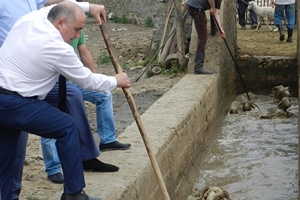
{"x":34,"y":54}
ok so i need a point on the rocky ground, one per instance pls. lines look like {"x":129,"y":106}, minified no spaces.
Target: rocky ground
{"x":132,"y":44}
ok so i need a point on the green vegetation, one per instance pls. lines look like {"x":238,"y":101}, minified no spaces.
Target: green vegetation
{"x":89,"y":15}
{"x":149,"y":22}
{"x":123,"y":20}
{"x":174,"y":70}
{"x":104,"y":59}
{"x":124,"y":66}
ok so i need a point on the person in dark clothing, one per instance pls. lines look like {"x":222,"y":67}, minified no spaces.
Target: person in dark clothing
{"x":196,"y":9}
{"x":242,"y":8}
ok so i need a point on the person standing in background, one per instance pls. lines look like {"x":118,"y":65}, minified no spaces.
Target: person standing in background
{"x":196,"y":9}
{"x":284,"y":8}
{"x":242,"y":10}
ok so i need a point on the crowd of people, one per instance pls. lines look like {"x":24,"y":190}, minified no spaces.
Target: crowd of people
{"x":38,"y":45}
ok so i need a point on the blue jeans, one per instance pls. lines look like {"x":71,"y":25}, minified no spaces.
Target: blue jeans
{"x":290,"y":12}
{"x":104,"y":112}
{"x":50,"y":156}
{"x":105,"y":127}
{"x":34,"y":116}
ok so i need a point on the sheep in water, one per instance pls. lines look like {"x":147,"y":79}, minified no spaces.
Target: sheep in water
{"x":264,"y":13}
{"x":214,"y":193}
{"x":284,"y":104}
{"x":280,"y":91}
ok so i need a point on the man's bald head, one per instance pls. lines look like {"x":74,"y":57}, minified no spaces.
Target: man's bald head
{"x":66,"y":10}
{"x":68,"y":18}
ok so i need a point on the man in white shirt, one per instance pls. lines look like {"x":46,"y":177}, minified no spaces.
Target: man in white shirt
{"x":12,"y":10}
{"x":33,"y":55}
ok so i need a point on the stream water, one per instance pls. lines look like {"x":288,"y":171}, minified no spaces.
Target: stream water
{"x":255,"y":158}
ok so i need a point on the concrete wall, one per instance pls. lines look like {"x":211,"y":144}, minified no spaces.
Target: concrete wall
{"x":180,"y":126}
{"x":262,"y":73}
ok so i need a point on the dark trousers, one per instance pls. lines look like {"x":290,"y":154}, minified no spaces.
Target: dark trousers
{"x":38,"y":117}
{"x":19,"y":162}
{"x":75,"y":108}
{"x":242,"y":8}
{"x":200,"y":25}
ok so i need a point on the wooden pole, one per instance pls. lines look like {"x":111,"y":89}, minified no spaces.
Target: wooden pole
{"x":136,"y":115}
{"x":165,"y":29}
{"x":179,"y":33}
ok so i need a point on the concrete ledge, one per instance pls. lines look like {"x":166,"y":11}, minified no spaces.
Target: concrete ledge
{"x":179,"y":125}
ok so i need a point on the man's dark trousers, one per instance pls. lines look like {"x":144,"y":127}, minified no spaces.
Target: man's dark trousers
{"x":75,"y":108}
{"x":34,"y":116}
{"x":242,"y":8}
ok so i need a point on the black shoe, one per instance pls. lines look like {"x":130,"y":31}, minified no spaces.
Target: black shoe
{"x":78,"y":196}
{"x":281,"y":38}
{"x":95,"y":165}
{"x":289,"y":40}
{"x":253,"y":26}
{"x":114,"y":146}
{"x":57,"y":178}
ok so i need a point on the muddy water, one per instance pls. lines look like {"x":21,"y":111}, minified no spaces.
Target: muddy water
{"x":255,"y":158}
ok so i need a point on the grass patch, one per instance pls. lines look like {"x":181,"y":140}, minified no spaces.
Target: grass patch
{"x":123,"y":20}
{"x":174,"y":70}
{"x":149,"y":22}
{"x":89,"y":15}
{"x":104,"y":59}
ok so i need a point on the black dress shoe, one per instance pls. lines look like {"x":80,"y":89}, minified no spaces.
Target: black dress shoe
{"x":57,"y":178}
{"x":114,"y":146}
{"x":78,"y":196}
{"x":95,"y":165}
{"x":253,"y":26}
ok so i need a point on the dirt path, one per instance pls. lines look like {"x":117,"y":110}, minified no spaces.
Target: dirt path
{"x":265,"y":43}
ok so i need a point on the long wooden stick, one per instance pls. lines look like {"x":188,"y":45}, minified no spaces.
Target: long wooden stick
{"x":135,"y":113}
{"x":165,"y":29}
